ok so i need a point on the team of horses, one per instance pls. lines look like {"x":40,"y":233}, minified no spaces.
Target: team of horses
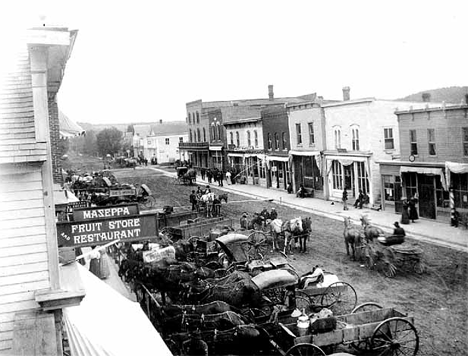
{"x":356,"y":238}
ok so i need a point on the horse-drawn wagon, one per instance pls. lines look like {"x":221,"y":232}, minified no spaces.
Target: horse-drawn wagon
{"x":385,"y":331}
{"x":186,"y":175}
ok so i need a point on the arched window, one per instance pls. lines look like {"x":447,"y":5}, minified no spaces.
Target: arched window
{"x":256,"y":138}
{"x":276,"y":141}
{"x":198,"y":134}
{"x":231,"y":135}
{"x":212,"y":133}
{"x":355,"y":139}
{"x":204,"y":135}
{"x":190,"y":135}
{"x":285,"y":143}
{"x":190,"y":118}
{"x":249,"y":141}
{"x":337,"y":138}
{"x":269,"y":141}
{"x":237,"y":139}
{"x":219,"y":131}
{"x":194,"y":136}
{"x":198,"y":118}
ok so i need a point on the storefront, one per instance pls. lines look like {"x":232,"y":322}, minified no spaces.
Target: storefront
{"x":350,"y":172}
{"x":278,"y":174}
{"x":307,"y":170}
{"x":249,"y":167}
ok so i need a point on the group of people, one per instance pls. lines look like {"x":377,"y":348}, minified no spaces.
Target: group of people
{"x":213,"y":206}
{"x":218,"y":176}
{"x":362,"y":199}
{"x":409,"y":210}
{"x":264,"y":216}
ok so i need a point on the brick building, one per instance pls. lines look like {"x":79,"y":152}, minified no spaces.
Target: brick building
{"x":434,"y":159}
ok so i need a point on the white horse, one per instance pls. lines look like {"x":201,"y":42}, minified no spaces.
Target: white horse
{"x":288,"y":228}
{"x":206,"y":200}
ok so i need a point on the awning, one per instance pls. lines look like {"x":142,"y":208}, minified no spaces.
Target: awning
{"x":235,"y":155}
{"x":427,"y":171}
{"x":457,"y":168}
{"x":69,"y":128}
{"x":346,"y":158}
{"x":304,"y":153}
{"x":63,"y":196}
{"x":278,"y":158}
{"x":107,"y":323}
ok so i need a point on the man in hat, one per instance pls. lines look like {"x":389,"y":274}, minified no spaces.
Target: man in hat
{"x":243,"y":221}
{"x":398,"y":231}
{"x":273,"y":214}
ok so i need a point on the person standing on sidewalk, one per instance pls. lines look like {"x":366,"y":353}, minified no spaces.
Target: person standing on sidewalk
{"x":228,"y":177}
{"x":344,"y":199}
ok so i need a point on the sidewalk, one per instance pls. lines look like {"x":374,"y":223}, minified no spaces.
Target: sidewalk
{"x":425,"y":230}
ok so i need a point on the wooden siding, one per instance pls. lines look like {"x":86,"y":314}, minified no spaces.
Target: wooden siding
{"x":24,"y":265}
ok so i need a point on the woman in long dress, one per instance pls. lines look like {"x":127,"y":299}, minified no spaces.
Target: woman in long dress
{"x":99,"y":265}
{"x":413,"y":213}
{"x":405,"y":215}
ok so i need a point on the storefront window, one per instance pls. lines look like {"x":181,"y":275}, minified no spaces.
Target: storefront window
{"x":460,"y":189}
{"x":337,"y":172}
{"x":389,"y":187}
{"x":363,"y":181}
{"x":411,"y":182}
{"x":442,"y":195}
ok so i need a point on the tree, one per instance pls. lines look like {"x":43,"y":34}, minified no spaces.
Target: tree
{"x":109,"y":141}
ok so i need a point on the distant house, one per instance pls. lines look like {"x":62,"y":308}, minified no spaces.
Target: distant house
{"x":160,"y":142}
{"x":434,"y":161}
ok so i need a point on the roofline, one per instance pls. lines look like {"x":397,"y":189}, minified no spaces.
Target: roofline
{"x":439,"y":108}
{"x":351,"y":102}
{"x":414,"y":164}
{"x":243,"y":121}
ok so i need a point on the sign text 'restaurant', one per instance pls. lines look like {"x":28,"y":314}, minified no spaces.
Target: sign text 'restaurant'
{"x":99,"y":232}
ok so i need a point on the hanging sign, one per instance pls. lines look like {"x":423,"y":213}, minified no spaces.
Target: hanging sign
{"x":100,"y":232}
{"x":105,"y":212}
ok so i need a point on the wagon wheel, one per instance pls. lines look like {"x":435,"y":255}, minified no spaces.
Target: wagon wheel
{"x":303,"y":304}
{"x":340,"y":297}
{"x":395,"y":336}
{"x":389,"y":269}
{"x":364,"y":345}
{"x":257,"y":245}
{"x":149,"y":201}
{"x":419,"y":267}
{"x":305,"y":349}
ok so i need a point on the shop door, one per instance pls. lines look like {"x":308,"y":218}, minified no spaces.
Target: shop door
{"x":349,"y":179}
{"x":426,"y":201}
{"x":397,"y":195}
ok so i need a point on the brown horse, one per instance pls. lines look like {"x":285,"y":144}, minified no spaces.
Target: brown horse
{"x":352,"y":236}
{"x":370,"y":231}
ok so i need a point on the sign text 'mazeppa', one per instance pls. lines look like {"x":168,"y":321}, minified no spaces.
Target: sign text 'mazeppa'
{"x":105,"y":212}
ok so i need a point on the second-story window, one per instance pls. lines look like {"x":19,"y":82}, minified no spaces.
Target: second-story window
{"x":413,"y":142}
{"x":276,"y":141}
{"x":337,"y":138}
{"x":190,"y":135}
{"x":198,"y":135}
{"x":249,"y":142}
{"x":269,"y":141}
{"x":167,"y":140}
{"x":299,"y":134}
{"x":190,"y":118}
{"x":388,"y":138}
{"x":181,"y":139}
{"x":231,"y":136}
{"x":237,"y":139}
{"x":355,"y":139}
{"x":256,"y":138}
{"x":311,"y":134}
{"x":285,"y":143}
{"x":212,"y":133}
{"x":219,"y":131}
{"x":204,"y":135}
{"x":465,"y":141}
{"x":198,"y":118}
{"x":431,"y":142}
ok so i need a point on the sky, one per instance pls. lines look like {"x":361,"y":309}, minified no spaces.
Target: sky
{"x":141,"y":61}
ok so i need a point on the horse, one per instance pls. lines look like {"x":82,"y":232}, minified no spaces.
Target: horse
{"x":224,"y":197}
{"x":256,"y":223}
{"x":307,"y":229}
{"x":370,"y":231}
{"x":352,"y":236}
{"x":190,"y":176}
{"x":290,"y":228}
{"x":206,"y":201}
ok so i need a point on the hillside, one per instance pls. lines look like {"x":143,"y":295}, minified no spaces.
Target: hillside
{"x":454,"y":95}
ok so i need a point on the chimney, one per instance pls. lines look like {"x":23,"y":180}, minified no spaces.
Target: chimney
{"x":346,"y":95}
{"x":426,"y":97}
{"x":271,"y":96}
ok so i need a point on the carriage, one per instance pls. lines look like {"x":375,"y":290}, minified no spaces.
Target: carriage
{"x":186,"y":176}
{"x":390,"y":259}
